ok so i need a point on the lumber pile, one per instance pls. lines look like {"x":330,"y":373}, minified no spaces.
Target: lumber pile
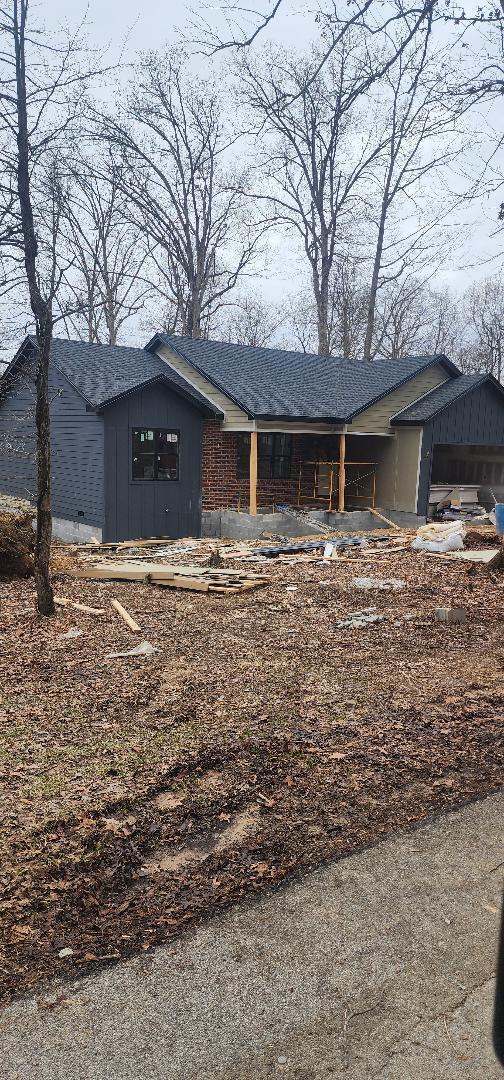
{"x":197,"y":578}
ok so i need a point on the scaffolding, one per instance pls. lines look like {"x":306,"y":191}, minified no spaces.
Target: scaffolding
{"x":321,"y":480}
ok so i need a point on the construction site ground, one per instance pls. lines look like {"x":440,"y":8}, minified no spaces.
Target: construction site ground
{"x":140,"y":795}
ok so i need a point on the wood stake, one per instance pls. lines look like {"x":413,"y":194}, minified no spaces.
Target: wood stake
{"x":387,"y":520}
{"x":62,"y":601}
{"x":341,"y":472}
{"x":253,"y":474}
{"x":126,"y":616}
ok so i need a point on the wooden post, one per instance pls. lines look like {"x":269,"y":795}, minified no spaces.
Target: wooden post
{"x":253,"y":474}
{"x":341,"y":472}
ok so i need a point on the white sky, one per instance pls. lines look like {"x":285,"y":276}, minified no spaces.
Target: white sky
{"x":110,"y":23}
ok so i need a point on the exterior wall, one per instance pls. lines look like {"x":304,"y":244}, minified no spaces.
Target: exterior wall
{"x":235,"y":417}
{"x":377,"y":417}
{"x":77,"y":449}
{"x":136,"y":508}
{"x":397,"y":474}
{"x":477,"y":418}
{"x":222,"y":489}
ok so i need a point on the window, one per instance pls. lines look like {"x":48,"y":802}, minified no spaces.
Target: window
{"x":155,"y":454}
{"x":274,"y":456}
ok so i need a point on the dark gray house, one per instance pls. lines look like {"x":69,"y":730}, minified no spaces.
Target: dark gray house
{"x":146,"y":440}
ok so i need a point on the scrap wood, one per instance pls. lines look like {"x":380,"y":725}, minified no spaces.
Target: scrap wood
{"x":62,"y":601}
{"x":199,"y":578}
{"x":126,"y":616}
{"x":382,"y":517}
{"x":484,"y":556}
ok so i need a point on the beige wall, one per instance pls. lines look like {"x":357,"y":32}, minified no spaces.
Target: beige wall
{"x":235,"y":418}
{"x":377,"y":417}
{"x":397,"y":473}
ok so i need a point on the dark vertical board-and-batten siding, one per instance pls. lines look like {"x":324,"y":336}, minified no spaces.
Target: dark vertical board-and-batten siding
{"x":139,"y":508}
{"x":476,"y":418}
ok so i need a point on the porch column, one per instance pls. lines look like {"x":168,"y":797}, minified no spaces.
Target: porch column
{"x":253,"y":474}
{"x":341,"y":472}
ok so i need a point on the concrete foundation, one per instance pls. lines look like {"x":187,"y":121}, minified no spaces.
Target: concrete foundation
{"x":233,"y":525}
{"x":75,"y":531}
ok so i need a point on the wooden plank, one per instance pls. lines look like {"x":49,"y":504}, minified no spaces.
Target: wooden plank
{"x":341,"y":472}
{"x":126,"y":616}
{"x":63,"y":602}
{"x":253,"y":474}
{"x":484,"y":556}
{"x":392,"y":524}
{"x":196,"y":584}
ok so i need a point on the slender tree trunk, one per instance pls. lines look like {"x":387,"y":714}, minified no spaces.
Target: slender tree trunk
{"x":321,"y":290}
{"x":42,"y":311}
{"x":375,"y":277}
{"x":45,"y":598}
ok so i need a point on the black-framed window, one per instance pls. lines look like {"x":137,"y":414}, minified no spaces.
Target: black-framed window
{"x":274,"y":456}
{"x":155,"y":454}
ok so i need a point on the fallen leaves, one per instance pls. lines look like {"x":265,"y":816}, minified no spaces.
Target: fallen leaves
{"x":257,"y":707}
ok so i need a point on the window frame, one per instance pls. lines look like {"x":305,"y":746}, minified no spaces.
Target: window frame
{"x":154,"y":479}
{"x":272,"y":458}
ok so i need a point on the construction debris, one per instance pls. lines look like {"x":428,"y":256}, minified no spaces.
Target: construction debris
{"x":61,"y":601}
{"x":448,"y":536}
{"x":197,"y":578}
{"x":453,"y":615}
{"x":487,"y":557}
{"x":378,"y":583}
{"x":126,"y":616}
{"x":356,"y":620}
{"x":143,"y":649}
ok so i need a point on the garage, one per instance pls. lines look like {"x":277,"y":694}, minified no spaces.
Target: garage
{"x":462,"y":438}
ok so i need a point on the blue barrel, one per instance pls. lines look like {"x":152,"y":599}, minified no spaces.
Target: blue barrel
{"x":499,"y":519}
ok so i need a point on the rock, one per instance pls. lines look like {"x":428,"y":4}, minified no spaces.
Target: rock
{"x":454,"y":615}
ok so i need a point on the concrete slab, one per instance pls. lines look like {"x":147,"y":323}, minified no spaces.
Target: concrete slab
{"x":377,"y":966}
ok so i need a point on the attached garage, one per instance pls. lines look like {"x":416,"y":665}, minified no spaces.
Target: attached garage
{"x":462,"y":424}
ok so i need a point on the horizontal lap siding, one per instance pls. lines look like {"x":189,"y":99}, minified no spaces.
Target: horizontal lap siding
{"x":77,"y":449}
{"x":232,"y":412}
{"x":377,"y":417}
{"x":17,"y":440}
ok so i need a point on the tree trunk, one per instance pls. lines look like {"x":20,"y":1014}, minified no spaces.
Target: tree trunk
{"x":42,"y":312}
{"x":45,"y":596}
{"x":375,"y":277}
{"x":321,"y":289}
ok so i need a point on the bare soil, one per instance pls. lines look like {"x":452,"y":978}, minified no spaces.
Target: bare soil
{"x":138,"y":796}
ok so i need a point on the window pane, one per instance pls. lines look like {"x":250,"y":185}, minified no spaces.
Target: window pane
{"x":143,"y":466}
{"x":143,"y":440}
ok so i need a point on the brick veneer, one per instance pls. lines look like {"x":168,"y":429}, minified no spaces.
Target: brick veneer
{"x":221,"y":488}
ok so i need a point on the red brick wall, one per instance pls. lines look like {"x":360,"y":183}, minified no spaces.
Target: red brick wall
{"x":221,"y":487}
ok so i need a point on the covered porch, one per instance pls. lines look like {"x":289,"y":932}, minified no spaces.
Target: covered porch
{"x":334,"y":471}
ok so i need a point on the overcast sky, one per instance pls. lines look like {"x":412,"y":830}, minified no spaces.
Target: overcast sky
{"x":110,"y":23}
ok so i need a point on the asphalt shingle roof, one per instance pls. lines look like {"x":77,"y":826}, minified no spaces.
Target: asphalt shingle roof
{"x":438,"y":399}
{"x":102,"y":373}
{"x":269,"y":383}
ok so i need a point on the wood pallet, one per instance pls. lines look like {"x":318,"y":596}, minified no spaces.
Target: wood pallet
{"x":197,"y":578}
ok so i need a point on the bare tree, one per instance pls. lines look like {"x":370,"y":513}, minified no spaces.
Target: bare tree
{"x":421,"y":117}
{"x":346,"y":321}
{"x":41,"y":90}
{"x":107,"y":281}
{"x":249,"y":321}
{"x":181,"y":189}
{"x":483,"y":307}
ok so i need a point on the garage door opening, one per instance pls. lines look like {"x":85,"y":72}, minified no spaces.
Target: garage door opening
{"x":476,"y":471}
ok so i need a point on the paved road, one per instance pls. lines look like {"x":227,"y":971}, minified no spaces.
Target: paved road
{"x":379,"y":966}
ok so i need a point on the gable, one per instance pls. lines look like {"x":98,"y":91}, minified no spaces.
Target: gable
{"x":377,"y":418}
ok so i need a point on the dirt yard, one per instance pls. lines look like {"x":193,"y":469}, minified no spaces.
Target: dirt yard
{"x":139,"y":795}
